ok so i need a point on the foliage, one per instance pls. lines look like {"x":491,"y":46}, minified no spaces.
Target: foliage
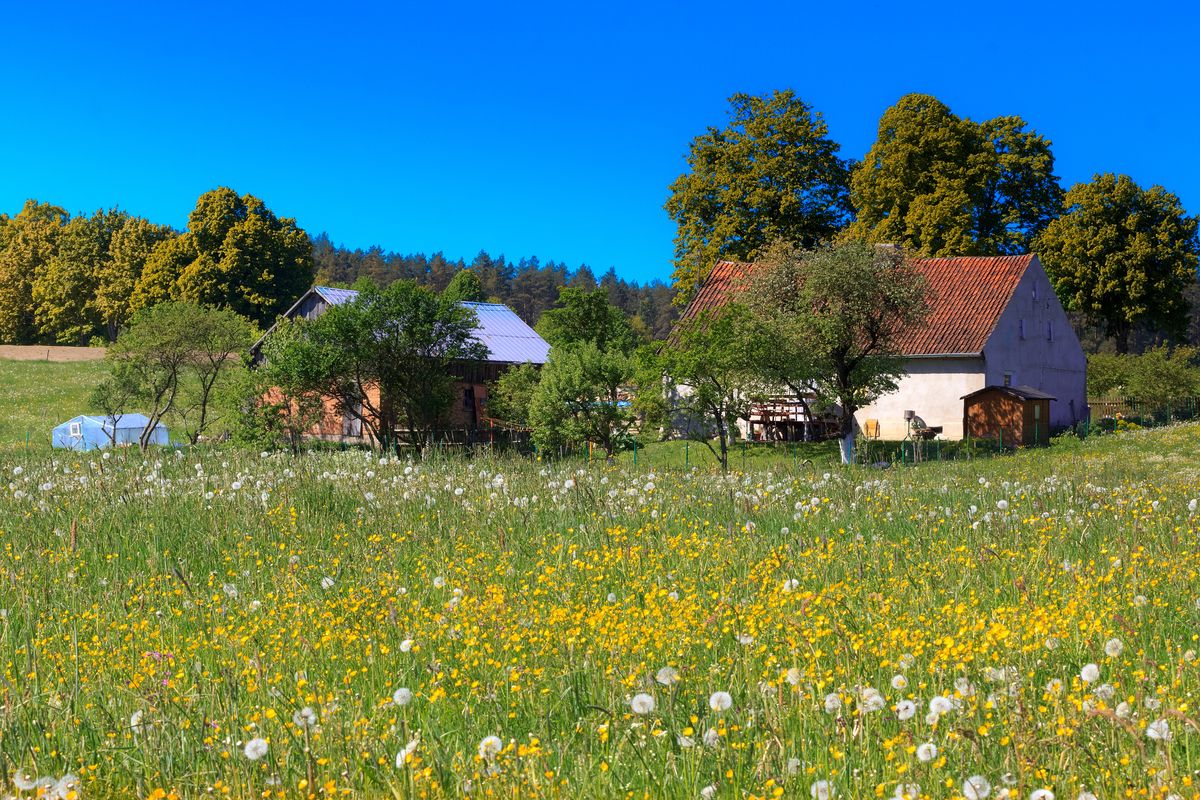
{"x":586,"y":317}
{"x":772,"y":172}
{"x":128,"y":251}
{"x":30,"y":243}
{"x":1107,"y":374}
{"x":711,"y":377}
{"x":274,"y":403}
{"x":465,"y":287}
{"x":1122,"y":256}
{"x":579,"y":397}
{"x":839,"y":311}
{"x":384,"y":358}
{"x":528,"y":285}
{"x":64,"y":291}
{"x":235,"y":253}
{"x":511,"y":395}
{"x":1159,"y":374}
{"x":171,"y":361}
{"x":941,"y":185}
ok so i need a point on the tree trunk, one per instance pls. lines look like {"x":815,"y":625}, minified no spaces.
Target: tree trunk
{"x":1121,"y":339}
{"x":723,"y":435}
{"x":846,"y":443}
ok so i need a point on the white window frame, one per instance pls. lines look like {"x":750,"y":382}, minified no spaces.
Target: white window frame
{"x":75,"y":429}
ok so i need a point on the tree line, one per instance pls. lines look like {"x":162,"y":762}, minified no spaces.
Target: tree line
{"x":1123,"y":257}
{"x":527,"y":286}
{"x":78,"y":280}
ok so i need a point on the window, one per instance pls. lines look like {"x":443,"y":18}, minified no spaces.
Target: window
{"x":1050,"y":331}
{"x":1022,"y":329}
{"x":1035,"y":291}
{"x":75,"y":429}
{"x":1008,"y":379}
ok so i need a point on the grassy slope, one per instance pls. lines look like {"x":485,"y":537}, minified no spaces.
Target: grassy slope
{"x":37,"y":395}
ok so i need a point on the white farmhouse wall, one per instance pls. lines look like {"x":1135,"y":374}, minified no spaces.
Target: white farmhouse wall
{"x":933,"y":388}
{"x":1034,"y":343}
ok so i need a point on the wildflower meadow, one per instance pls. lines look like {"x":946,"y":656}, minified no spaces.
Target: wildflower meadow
{"x":217,"y":623}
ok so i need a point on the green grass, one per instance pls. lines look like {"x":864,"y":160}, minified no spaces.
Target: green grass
{"x":37,"y":395}
{"x":159,"y":613}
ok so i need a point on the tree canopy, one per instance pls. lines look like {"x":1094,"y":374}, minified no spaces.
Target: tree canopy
{"x":844,"y":307}
{"x":771,"y":172}
{"x":941,"y":185}
{"x":1122,"y":256}
{"x":235,"y":253}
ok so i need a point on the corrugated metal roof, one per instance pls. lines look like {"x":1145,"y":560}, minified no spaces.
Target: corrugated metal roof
{"x":508,"y":339}
{"x":336,"y":296}
{"x":967,"y":295}
{"x":507,"y":336}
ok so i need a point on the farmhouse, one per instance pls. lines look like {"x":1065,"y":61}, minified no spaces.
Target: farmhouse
{"x":993,"y":322}
{"x":508,"y":339}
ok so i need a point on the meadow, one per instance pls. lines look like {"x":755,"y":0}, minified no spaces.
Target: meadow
{"x":37,"y":395}
{"x":216,"y":623}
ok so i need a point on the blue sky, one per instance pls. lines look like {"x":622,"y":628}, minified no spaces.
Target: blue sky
{"x":550,"y":129}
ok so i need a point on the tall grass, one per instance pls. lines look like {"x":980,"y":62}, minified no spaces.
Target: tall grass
{"x":162,"y":614}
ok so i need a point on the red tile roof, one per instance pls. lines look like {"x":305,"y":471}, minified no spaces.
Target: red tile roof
{"x":967,"y":295}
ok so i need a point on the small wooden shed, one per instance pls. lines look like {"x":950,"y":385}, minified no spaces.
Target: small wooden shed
{"x":1016,"y":416}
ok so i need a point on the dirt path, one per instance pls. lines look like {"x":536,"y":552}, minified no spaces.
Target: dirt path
{"x":38,"y":352}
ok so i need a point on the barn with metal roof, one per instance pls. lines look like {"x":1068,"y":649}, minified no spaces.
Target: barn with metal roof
{"x":509,"y":341}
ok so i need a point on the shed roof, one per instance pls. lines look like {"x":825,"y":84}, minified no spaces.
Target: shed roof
{"x":1022,"y":392}
{"x":508,"y":338}
{"x":967,"y":295}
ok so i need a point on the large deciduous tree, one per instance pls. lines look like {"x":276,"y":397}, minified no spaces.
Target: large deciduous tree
{"x":1122,"y":256}
{"x":128,"y":251}
{"x":30,"y":243}
{"x":844,"y":307}
{"x":942,"y":185}
{"x":65,"y":292}
{"x":772,"y":172}
{"x":235,"y":253}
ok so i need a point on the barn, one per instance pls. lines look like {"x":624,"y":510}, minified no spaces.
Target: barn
{"x":509,"y":340}
{"x":994,"y":322}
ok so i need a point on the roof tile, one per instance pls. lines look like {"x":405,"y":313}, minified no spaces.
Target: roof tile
{"x":967,"y":295}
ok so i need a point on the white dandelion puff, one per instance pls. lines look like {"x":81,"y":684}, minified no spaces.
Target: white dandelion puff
{"x":720,"y":701}
{"x":490,"y":747}
{"x":255,"y":749}
{"x":642,"y":703}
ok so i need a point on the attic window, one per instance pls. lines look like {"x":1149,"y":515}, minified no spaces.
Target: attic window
{"x":1008,"y":379}
{"x":1050,"y":331}
{"x":1022,"y":329}
{"x":75,"y":429}
{"x":1035,"y":291}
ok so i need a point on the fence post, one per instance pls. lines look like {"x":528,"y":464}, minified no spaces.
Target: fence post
{"x":686,"y":451}
{"x":635,"y":452}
